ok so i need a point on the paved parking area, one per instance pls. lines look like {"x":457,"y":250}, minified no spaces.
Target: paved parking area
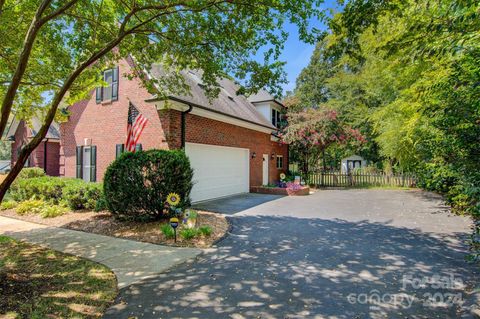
{"x":333,"y":254}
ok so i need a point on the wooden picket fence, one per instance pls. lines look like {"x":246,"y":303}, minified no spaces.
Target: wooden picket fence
{"x":359,"y":179}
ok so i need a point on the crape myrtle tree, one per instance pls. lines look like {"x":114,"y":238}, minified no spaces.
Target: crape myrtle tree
{"x":311,"y":131}
{"x":52,"y":52}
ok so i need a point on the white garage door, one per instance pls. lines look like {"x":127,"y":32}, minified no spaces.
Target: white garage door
{"x":217,"y":171}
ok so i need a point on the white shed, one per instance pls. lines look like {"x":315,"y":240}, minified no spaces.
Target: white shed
{"x":352,"y":162}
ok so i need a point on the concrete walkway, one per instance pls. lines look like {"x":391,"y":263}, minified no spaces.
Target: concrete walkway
{"x":131,"y":261}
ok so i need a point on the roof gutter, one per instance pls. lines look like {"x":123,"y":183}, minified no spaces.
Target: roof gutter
{"x":184,"y":115}
{"x":176,"y":99}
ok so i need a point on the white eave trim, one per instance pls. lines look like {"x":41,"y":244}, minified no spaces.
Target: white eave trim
{"x":160,"y":105}
{"x":229,"y":120}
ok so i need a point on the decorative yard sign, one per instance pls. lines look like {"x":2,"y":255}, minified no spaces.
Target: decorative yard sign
{"x":174,"y":224}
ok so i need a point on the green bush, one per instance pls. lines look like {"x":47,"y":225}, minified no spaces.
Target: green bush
{"x":32,"y":206}
{"x":136,"y":184}
{"x":31,"y":172}
{"x":188,"y":233}
{"x":46,"y":188}
{"x":75,"y":193}
{"x":101,"y":204}
{"x":50,"y":211}
{"x":40,"y":207}
{"x":437,"y":177}
{"x":167,"y":231}
{"x":205,"y":230}
{"x":8,"y":205}
{"x":82,"y":195}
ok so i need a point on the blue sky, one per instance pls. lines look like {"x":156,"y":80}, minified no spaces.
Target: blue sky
{"x":297,"y":53}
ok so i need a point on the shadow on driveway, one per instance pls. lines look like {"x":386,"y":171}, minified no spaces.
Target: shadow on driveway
{"x":235,"y":204}
{"x":287,"y":267}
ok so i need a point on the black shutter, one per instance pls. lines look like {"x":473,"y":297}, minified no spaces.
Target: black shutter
{"x":115,"y":84}
{"x":79,"y":161}
{"x":99,"y":93}
{"x":138,"y":147}
{"x":118,"y":150}
{"x":93,"y":164}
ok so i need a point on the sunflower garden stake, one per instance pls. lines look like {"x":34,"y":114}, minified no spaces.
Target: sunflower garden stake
{"x":173,"y":200}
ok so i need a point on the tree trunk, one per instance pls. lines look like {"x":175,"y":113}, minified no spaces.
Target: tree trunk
{"x":323,"y":159}
{"x":305,"y":165}
{"x":22,"y":158}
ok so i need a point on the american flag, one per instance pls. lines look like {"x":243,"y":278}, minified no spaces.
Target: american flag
{"x":135,"y":124}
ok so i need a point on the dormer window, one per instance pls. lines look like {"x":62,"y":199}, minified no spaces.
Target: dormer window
{"x":276,"y":118}
{"x":110,"y":92}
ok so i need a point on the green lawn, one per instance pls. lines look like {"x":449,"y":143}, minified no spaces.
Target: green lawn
{"x":36,"y":282}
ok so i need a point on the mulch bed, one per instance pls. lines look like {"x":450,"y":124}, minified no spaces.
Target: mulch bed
{"x":104,"y":223}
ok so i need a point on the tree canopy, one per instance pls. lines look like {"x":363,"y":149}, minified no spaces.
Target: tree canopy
{"x":407,"y":75}
{"x":52,"y":51}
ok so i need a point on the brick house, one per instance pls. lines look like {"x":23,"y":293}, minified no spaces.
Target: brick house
{"x":46,"y":155}
{"x":229,"y":140}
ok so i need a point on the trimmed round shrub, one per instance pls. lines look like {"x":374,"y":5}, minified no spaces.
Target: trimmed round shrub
{"x":136,"y":185}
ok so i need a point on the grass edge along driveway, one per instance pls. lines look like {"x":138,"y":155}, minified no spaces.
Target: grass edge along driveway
{"x":37,"y":282}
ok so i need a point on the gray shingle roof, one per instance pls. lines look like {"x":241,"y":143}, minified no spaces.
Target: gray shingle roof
{"x":227,"y":102}
{"x":52,"y":133}
{"x":263,"y":96}
{"x":53,"y":130}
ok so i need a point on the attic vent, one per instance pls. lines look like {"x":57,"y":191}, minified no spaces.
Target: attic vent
{"x":195,"y":77}
{"x":226,"y":93}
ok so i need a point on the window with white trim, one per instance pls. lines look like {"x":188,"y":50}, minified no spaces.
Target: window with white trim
{"x":86,"y":158}
{"x":279,"y":161}
{"x":276,"y":117}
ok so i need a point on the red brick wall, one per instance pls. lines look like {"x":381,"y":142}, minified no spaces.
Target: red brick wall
{"x":206,"y":131}
{"x":36,"y":159}
{"x":105,"y":125}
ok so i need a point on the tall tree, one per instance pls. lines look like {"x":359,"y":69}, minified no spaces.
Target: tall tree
{"x":311,"y":84}
{"x":52,"y":51}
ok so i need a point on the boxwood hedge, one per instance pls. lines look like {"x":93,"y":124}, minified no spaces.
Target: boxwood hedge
{"x":136,"y":184}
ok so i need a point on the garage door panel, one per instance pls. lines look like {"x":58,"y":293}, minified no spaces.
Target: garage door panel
{"x":218,"y":171}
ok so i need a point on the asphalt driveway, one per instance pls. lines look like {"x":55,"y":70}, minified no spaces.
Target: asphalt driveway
{"x":333,"y":254}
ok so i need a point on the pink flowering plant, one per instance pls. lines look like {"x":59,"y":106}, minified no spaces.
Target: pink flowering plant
{"x":312,"y":131}
{"x":293,"y":186}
